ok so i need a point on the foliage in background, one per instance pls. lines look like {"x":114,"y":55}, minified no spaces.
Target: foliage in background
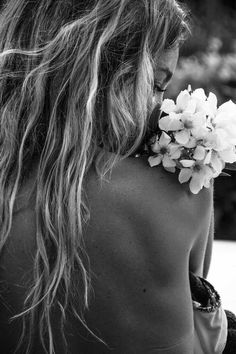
{"x":211,"y":70}
{"x":208,"y":60}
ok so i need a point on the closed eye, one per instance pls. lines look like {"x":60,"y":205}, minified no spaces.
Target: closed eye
{"x":157,"y":88}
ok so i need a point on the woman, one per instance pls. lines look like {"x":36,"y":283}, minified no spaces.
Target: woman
{"x":96,"y":247}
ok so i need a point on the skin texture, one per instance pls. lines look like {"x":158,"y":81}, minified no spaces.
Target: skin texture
{"x":155,"y":232}
{"x":145,"y":233}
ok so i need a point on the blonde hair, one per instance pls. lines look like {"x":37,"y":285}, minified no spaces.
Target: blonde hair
{"x":76,"y":76}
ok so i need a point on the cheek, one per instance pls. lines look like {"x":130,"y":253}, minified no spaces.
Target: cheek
{"x":154,"y":118}
{"x":157,"y":99}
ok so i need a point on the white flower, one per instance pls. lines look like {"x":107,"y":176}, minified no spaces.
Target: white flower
{"x":184,"y":103}
{"x":193,"y":125}
{"x":229,"y":108}
{"x":201,"y":100}
{"x":199,"y":173}
{"x":192,"y":143}
{"x":214,"y":160}
{"x":187,"y":117}
{"x":165,"y":152}
{"x":168,"y":106}
{"x":171,"y":122}
{"x":228,"y":155}
{"x":216,"y":139}
{"x":225,"y":119}
{"x":202,"y":137}
{"x":199,"y":153}
{"x":199,"y":95}
{"x":211,"y":105}
{"x":186,"y":125}
{"x":207,"y":105}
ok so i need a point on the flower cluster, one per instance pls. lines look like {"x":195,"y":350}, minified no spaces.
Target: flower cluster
{"x":196,"y":137}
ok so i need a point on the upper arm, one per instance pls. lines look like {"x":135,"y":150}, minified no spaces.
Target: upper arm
{"x":208,"y":252}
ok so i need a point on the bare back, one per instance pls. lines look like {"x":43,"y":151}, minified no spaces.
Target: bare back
{"x":145,"y":233}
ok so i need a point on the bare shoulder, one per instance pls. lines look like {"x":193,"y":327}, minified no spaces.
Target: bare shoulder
{"x":151,"y":201}
{"x":136,"y":187}
{"x":139,"y":239}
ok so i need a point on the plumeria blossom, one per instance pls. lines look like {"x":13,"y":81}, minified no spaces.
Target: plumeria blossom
{"x":197,"y":172}
{"x":196,"y":137}
{"x":184,"y":103}
{"x":186,"y":118}
{"x":165,"y":152}
{"x":193,"y":125}
{"x":225,"y":119}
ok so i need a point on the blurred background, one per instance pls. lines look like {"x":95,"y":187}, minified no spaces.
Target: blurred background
{"x":208,"y":60}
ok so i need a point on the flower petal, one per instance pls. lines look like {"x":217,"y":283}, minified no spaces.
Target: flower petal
{"x":184,"y":175}
{"x":217,"y":139}
{"x":191,"y":106}
{"x":228,"y":155}
{"x":199,"y":94}
{"x":175,"y":151}
{"x":227,"y":107}
{"x":156,"y":147}
{"x":168,"y":162}
{"x":165,"y":139}
{"x":200,"y":97}
{"x":170,"y":123}
{"x":183,"y":100}
{"x":199,"y":119}
{"x":187,"y":163}
{"x":207,"y":183}
{"x":199,"y":153}
{"x":211,"y":104}
{"x":199,"y":132}
{"x":182,"y":137}
{"x":154,"y":160}
{"x":217,"y":164}
{"x":168,"y":106}
{"x":208,"y":157}
{"x":192,"y":143}
{"x":170,"y":169}
{"x":196,"y":183}
{"x":220,"y":119}
{"x":208,"y":172}
{"x":164,"y":123}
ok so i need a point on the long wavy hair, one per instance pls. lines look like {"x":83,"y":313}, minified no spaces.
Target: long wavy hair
{"x":76,"y":79}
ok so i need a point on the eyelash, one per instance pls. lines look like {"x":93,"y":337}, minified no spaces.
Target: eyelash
{"x":158,"y":89}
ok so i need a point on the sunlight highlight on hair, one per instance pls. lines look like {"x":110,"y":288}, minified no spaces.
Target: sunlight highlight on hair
{"x":76,"y":80}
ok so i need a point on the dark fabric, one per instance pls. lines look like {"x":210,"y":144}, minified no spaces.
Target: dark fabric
{"x":231,"y":338}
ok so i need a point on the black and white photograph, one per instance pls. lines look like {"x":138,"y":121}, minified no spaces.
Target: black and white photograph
{"x":117,"y":177}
